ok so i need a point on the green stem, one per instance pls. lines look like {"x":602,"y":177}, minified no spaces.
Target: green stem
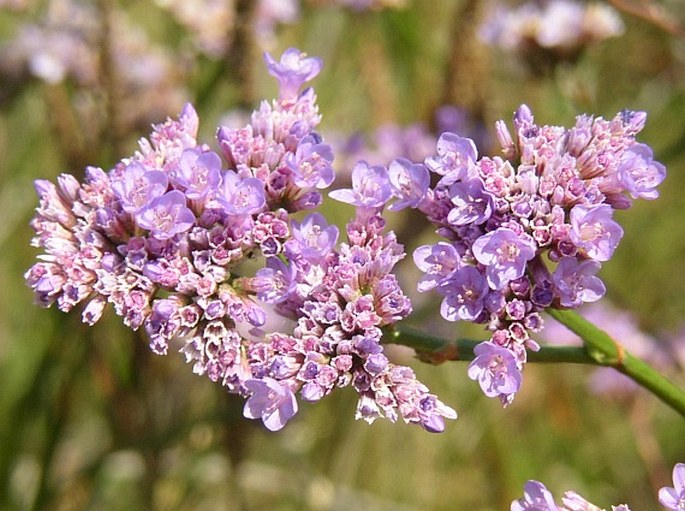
{"x":608,"y":352}
{"x":598,"y":349}
{"x":436,"y":350}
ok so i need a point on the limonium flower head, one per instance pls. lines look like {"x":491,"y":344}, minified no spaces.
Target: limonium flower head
{"x":529,"y":229}
{"x":164,"y":236}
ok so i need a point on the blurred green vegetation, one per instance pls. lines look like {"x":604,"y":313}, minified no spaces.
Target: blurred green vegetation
{"x":91,"y":419}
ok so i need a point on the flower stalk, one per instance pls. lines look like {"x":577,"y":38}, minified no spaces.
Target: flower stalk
{"x":608,"y":352}
{"x":598,"y":349}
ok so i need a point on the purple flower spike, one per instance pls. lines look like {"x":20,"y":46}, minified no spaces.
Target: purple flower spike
{"x":311,"y":164}
{"x":575,"y":282}
{"x":240,"y":196}
{"x":455,"y":155}
{"x":198,"y":173}
{"x":472,"y":204}
{"x":270,"y":401}
{"x":370,"y":187}
{"x":137,"y":186}
{"x":594,"y":232}
{"x":505,"y":254}
{"x":674,"y":498}
{"x":293,"y":70}
{"x":495,"y":369}
{"x":166,"y":216}
{"x":639,"y":173}
{"x":465,"y":295}
{"x":409,"y":182}
{"x":438,"y":262}
{"x":313,"y":238}
{"x":536,"y":497}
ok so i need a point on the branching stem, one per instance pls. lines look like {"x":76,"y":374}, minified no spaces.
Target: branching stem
{"x":598,"y":349}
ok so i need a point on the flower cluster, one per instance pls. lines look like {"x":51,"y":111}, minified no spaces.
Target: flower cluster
{"x":525,"y":231}
{"x":538,"y":498}
{"x":552,"y":30}
{"x":169,"y":237}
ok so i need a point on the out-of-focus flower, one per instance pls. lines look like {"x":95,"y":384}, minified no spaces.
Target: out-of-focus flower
{"x":362,"y":5}
{"x":414,"y":142}
{"x":66,"y":44}
{"x":551,"y":31}
{"x":211,"y":24}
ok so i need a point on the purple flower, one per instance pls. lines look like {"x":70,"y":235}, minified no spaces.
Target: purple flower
{"x":137,"y":186}
{"x":455,"y":155}
{"x":293,"y":70}
{"x":311,"y":164}
{"x":639,"y":173}
{"x":674,"y":498}
{"x":495,"y":369}
{"x":438,"y":262}
{"x":240,"y":196}
{"x":198,"y":173}
{"x":409,"y":182}
{"x":275,"y":282}
{"x":472,"y":204}
{"x":313,"y":238}
{"x":370,"y":187}
{"x":574,"y":502}
{"x":465,"y":293}
{"x":504,"y":253}
{"x":271,"y":401}
{"x":594,"y":232}
{"x":166,"y":216}
{"x":536,"y":497}
{"x":575,"y":282}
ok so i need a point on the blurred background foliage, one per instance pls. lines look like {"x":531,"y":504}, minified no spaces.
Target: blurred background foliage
{"x":91,"y":419}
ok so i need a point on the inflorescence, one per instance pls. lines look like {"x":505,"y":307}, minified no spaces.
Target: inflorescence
{"x":171,"y":236}
{"x":166,"y":236}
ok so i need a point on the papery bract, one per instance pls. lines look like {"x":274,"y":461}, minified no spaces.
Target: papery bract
{"x":536,"y":497}
{"x":292,"y":71}
{"x":137,"y":186}
{"x":198,"y":173}
{"x":639,"y":173}
{"x":504,"y":253}
{"x":409,"y":182}
{"x":594,"y":232}
{"x":673,"y":498}
{"x":370,"y":187}
{"x":166,"y":216}
{"x":272,"y":402}
{"x":495,"y":369}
